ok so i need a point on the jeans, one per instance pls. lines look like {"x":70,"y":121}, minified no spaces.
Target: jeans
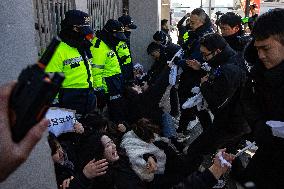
{"x":169,"y":129}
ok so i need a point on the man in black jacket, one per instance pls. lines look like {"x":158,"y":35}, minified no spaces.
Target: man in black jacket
{"x":221,"y":90}
{"x":200,"y":24}
{"x":263,"y":101}
{"x":231,"y":29}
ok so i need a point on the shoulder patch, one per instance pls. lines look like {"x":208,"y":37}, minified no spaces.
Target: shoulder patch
{"x":111,"y":54}
{"x":71,"y":61}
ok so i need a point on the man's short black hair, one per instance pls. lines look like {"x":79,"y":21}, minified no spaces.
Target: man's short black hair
{"x":270,"y":24}
{"x":231,"y":19}
{"x":213,"y":41}
{"x":164,"y":22}
{"x":153,"y":47}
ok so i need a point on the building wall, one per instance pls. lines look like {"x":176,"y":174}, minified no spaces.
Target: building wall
{"x":166,"y":9}
{"x":147,"y":16}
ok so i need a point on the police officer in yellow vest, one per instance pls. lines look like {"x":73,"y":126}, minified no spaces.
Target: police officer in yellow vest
{"x":106,"y":69}
{"x":123,"y":50}
{"x":72,"y":58}
{"x":125,"y":61}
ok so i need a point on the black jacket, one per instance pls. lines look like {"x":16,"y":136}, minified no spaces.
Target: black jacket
{"x":198,"y":180}
{"x":222,"y":91}
{"x":146,"y":104}
{"x":263,"y":100}
{"x":182,"y":29}
{"x":192,"y":45}
{"x":190,"y":78}
{"x":119,"y":176}
{"x":237,"y":41}
{"x":166,"y":54}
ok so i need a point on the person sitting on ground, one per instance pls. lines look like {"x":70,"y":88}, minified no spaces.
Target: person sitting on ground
{"x":100,"y":146}
{"x":65,"y":171}
{"x":146,"y":159}
{"x":144,"y":101}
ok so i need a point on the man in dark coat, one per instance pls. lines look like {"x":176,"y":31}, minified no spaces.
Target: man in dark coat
{"x":200,"y":24}
{"x":221,"y":90}
{"x":231,"y":29}
{"x":263,"y":101}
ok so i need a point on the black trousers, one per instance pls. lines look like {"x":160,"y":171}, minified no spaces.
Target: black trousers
{"x":81,"y":100}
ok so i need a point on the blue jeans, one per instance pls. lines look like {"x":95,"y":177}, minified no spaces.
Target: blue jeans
{"x":169,"y":129}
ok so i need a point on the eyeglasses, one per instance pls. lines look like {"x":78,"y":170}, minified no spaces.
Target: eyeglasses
{"x":208,"y":56}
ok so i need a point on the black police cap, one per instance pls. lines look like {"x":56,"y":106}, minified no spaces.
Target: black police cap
{"x":76,"y":17}
{"x":79,"y":19}
{"x":115,"y":27}
{"x":126,"y":20}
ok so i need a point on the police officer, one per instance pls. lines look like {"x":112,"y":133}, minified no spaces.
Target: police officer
{"x":72,"y":58}
{"x":106,"y":69}
{"x":129,"y":25}
{"x":123,"y":49}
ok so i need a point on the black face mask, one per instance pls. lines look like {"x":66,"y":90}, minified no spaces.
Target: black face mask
{"x":127,"y":34}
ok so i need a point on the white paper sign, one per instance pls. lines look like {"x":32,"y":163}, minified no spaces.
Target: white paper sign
{"x":60,"y":120}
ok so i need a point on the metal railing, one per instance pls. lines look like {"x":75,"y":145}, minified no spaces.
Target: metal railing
{"x":48,"y":16}
{"x":102,"y":10}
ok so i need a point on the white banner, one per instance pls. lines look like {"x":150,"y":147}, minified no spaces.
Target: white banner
{"x":60,"y":120}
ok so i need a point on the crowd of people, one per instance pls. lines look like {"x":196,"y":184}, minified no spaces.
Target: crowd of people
{"x":229,"y":82}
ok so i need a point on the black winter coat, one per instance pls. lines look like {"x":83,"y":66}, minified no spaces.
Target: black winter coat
{"x":263,"y":100}
{"x":222,"y":91}
{"x":190,"y":78}
{"x":146,"y":104}
{"x":237,"y":41}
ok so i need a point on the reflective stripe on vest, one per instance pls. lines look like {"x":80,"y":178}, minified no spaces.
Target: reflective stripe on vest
{"x":105,"y":63}
{"x":68,"y":60}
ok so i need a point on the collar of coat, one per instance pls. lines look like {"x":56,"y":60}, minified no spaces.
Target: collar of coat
{"x":222,"y":57}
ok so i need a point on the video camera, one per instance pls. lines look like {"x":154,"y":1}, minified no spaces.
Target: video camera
{"x":33,"y":94}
